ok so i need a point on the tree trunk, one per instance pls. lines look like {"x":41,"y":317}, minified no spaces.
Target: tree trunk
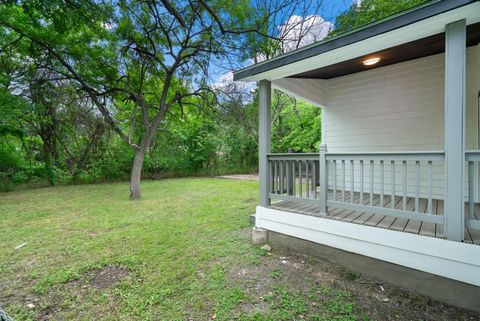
{"x":137,"y":173}
{"x":49,"y":153}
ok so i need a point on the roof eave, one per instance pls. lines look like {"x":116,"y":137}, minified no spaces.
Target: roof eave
{"x":396,"y":22}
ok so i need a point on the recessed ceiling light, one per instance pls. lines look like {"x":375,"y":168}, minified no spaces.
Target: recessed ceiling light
{"x":371,"y":61}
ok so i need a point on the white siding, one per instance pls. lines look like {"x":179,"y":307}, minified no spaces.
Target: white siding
{"x":473,"y":107}
{"x":394,"y":108}
{"x":397,"y":108}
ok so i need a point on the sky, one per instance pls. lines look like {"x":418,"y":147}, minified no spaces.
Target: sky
{"x":330,"y":9}
{"x":334,"y":7}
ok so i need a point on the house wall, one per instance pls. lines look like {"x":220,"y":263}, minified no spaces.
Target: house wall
{"x":397,"y":108}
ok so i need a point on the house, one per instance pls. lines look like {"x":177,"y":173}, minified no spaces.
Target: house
{"x":394,"y":190}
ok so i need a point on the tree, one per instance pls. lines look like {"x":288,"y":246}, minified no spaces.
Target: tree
{"x":122,"y":57}
{"x":136,"y":60}
{"x":364,"y":12}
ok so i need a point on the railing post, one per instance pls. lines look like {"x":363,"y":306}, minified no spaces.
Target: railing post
{"x":264,"y":140}
{"x":323,"y":179}
{"x":455,"y":52}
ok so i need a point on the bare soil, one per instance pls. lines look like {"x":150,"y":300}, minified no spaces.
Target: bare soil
{"x":96,"y":279}
{"x":303,"y":274}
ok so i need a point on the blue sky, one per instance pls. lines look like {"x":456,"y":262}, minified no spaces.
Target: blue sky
{"x":330,"y":9}
{"x":334,"y":7}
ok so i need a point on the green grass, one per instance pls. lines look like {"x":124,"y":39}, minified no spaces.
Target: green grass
{"x":180,"y":243}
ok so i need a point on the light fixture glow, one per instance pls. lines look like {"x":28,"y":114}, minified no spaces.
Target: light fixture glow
{"x":371,"y":61}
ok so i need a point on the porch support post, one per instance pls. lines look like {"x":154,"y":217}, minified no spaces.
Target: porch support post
{"x":323,"y":179}
{"x":455,"y":52}
{"x":264,"y":139}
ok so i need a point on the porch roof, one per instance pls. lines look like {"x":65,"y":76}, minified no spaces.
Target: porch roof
{"x":396,"y":38}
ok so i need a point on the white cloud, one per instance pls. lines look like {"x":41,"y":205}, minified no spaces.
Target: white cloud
{"x":223,"y":80}
{"x":299,"y":31}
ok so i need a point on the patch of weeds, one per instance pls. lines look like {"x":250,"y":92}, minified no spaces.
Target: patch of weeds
{"x":338,"y":304}
{"x":320,"y":305}
{"x":351,"y":276}
{"x":261,"y":252}
{"x":58,"y":277}
{"x":289,"y":302}
{"x":276,"y":273}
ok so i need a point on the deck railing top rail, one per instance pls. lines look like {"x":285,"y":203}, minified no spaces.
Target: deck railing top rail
{"x":389,"y":156}
{"x":472,"y":155}
{"x":293,"y":156}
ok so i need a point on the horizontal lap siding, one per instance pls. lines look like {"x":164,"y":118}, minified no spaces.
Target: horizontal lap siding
{"x":396,"y":108}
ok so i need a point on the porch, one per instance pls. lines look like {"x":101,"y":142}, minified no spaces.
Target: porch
{"x":361,"y":187}
{"x":472,"y":236}
{"x":397,"y":175}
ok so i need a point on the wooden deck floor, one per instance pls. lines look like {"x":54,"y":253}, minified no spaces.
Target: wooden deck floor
{"x":380,"y":220}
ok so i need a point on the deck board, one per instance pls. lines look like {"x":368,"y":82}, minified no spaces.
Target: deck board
{"x":380,"y":220}
{"x":428,"y":228}
{"x":400,"y":223}
{"x":387,"y":221}
{"x":439,"y":227}
{"x":413,"y":226}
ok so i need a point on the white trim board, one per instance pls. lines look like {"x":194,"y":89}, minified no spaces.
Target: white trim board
{"x":454,"y":260}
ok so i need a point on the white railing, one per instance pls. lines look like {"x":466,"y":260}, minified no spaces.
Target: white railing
{"x":391,"y":184}
{"x":472,"y":158}
{"x":407,"y":185}
{"x":294,"y":176}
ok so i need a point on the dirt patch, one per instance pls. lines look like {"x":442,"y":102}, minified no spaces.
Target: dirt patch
{"x":107,"y":276}
{"x":52,"y":305}
{"x":302,"y":274}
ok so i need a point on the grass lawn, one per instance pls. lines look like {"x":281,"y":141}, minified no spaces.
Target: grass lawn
{"x":180,"y":253}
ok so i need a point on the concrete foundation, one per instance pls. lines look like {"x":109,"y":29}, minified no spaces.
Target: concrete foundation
{"x":446,"y":290}
{"x":259,"y":236}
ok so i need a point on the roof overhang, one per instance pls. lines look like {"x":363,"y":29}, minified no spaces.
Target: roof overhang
{"x":420,"y":22}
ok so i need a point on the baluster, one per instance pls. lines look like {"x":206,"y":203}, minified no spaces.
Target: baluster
{"x":286,"y":172}
{"x":343,"y":180}
{"x":471,"y":204}
{"x":392,"y":197}
{"x":323,"y":176}
{"x":314,"y":179}
{"x":300,"y":178}
{"x":361,"y":182}
{"x":371,"y":182}
{"x":352,"y":178}
{"x":277,"y":167}
{"x":334,"y":180}
{"x":274,"y":165}
{"x":404,"y":190}
{"x":294,"y":178}
{"x":417,"y":187}
{"x":282,"y":176}
{"x":382,"y":183}
{"x":270,"y":168}
{"x":430,"y":186}
{"x":307,"y":178}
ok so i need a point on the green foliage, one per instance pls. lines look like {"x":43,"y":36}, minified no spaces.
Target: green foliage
{"x":50,"y":133}
{"x":369,"y":11}
{"x":297,"y":127}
